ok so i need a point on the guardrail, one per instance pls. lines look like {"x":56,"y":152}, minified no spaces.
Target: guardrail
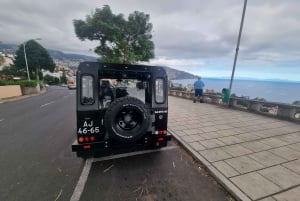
{"x":273,"y":109}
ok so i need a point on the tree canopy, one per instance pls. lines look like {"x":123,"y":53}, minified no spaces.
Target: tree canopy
{"x":121,"y":40}
{"x":37,"y":58}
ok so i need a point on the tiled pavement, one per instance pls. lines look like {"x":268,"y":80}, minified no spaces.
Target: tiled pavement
{"x":253,"y":156}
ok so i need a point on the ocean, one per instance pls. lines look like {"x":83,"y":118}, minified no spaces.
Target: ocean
{"x":274,"y":91}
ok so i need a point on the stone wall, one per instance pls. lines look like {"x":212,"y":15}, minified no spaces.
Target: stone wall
{"x":278,"y":110}
{"x":30,"y":90}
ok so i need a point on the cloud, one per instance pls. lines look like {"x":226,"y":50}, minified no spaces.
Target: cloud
{"x":183,"y":31}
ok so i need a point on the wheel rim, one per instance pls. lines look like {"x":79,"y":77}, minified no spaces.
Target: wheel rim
{"x":128,"y":119}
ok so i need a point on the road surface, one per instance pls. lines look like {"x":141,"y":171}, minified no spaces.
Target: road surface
{"x":36,"y":162}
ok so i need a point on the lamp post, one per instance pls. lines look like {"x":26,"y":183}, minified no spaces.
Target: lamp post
{"x":238,"y":44}
{"x":26,"y":56}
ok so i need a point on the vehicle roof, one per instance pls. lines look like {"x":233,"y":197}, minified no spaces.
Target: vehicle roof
{"x":83,"y":66}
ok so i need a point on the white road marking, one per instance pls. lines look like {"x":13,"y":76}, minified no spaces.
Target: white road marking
{"x":47,"y":104}
{"x":88,"y":164}
{"x":1,"y":120}
{"x":82,"y":180}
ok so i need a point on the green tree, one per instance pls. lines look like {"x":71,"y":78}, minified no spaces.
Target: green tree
{"x":13,"y":71}
{"x":48,"y":79}
{"x":63,"y":78}
{"x":121,"y":40}
{"x":37,"y":58}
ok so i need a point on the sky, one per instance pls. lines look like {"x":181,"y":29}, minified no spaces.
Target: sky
{"x":196,"y":36}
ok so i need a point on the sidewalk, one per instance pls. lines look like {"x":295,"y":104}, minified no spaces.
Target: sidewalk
{"x":254,"y":157}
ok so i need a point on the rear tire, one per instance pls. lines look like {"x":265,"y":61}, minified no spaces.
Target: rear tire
{"x":127,"y":119}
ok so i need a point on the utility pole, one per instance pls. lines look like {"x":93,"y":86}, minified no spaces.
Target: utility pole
{"x":238,"y":44}
{"x":26,"y":56}
{"x":26,"y":60}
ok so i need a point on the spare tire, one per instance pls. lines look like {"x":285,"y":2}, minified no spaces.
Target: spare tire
{"x":127,"y":119}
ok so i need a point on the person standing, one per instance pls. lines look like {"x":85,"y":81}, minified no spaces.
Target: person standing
{"x":198,"y":86}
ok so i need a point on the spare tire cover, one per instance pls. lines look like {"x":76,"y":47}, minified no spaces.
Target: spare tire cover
{"x":127,"y":119}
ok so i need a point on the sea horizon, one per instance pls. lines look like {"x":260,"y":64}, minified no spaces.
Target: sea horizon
{"x":273,"y":90}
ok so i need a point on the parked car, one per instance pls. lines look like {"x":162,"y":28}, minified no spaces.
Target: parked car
{"x":120,"y":108}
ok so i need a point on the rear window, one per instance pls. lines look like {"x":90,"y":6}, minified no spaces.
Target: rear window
{"x":159,"y":91}
{"x":87,"y":93}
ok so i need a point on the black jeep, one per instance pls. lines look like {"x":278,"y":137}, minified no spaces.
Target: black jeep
{"x":120,"y":108}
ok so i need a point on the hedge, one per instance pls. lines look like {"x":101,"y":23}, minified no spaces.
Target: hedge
{"x":22,"y":83}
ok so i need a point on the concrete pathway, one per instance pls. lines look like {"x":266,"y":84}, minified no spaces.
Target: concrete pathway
{"x":253,"y":156}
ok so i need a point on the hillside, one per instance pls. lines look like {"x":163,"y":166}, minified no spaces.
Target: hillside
{"x":56,"y":54}
{"x":72,"y":57}
{"x":173,"y":74}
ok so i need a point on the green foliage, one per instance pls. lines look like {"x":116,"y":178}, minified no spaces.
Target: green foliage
{"x":12,"y":71}
{"x":296,"y":102}
{"x":179,"y":88}
{"x":37,"y":58}
{"x":22,"y":83}
{"x":28,"y":83}
{"x":8,"y":82}
{"x":264,"y":109}
{"x":48,"y":79}
{"x":121,"y":40}
{"x":63,"y":78}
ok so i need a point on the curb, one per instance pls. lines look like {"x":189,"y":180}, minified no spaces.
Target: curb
{"x":226,"y":183}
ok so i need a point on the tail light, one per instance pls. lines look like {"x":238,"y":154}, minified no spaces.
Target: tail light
{"x":86,"y":147}
{"x":92,"y":138}
{"x":86,"y":139}
{"x":161,"y":132}
{"x":80,"y":139}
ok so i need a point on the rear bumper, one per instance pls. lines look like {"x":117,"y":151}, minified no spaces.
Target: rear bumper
{"x":107,"y":146}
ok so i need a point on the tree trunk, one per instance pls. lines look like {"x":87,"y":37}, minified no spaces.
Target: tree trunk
{"x":37,"y":79}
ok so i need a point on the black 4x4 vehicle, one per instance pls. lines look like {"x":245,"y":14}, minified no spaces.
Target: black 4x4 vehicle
{"x":120,"y":108}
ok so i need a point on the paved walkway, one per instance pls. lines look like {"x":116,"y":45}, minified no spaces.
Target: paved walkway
{"x":253,"y":156}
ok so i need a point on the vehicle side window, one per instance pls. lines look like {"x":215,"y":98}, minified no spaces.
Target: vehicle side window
{"x":87,"y":93}
{"x":159,"y":91}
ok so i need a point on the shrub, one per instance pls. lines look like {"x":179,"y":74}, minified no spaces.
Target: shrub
{"x":28,"y":83}
{"x":264,"y":109}
{"x":8,"y":82}
{"x":22,"y":83}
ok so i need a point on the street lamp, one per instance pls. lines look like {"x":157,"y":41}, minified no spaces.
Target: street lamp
{"x":26,"y":56}
{"x":238,"y":44}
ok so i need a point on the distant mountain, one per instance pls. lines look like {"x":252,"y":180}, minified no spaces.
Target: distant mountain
{"x":12,"y":48}
{"x":173,"y":74}
{"x":73,"y":57}
{"x":8,"y":48}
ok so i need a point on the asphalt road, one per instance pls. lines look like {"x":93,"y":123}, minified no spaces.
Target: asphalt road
{"x":166,"y":175}
{"x":36,"y":162}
